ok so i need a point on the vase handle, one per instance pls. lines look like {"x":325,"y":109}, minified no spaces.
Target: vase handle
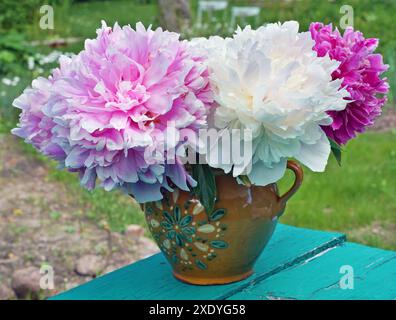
{"x":299,"y":174}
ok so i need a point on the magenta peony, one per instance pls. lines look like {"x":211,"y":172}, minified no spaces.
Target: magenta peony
{"x":105,"y":107}
{"x":360,"y":70}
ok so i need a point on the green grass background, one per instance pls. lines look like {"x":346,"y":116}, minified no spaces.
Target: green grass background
{"x":359,"y":194}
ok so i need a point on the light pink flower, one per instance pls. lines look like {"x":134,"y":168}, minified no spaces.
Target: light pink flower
{"x":115,"y":99}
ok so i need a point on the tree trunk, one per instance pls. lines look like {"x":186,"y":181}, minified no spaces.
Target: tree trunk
{"x":175,"y":14}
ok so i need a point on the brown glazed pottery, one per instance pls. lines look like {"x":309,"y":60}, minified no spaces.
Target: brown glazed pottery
{"x":220,"y":247}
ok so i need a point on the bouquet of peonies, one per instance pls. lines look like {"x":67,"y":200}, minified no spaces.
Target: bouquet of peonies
{"x":130,"y":108}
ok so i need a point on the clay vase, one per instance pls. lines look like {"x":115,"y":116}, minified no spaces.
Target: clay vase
{"x":222,"y":246}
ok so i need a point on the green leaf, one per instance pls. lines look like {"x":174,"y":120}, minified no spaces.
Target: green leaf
{"x":206,"y":187}
{"x":171,"y":234}
{"x":179,"y":240}
{"x":186,"y":237}
{"x":176,"y":214}
{"x":168,"y":217}
{"x":166,"y":225}
{"x":185,"y":221}
{"x":245,"y":180}
{"x":188,"y":230}
{"x":217,"y":215}
{"x":336,"y":150}
{"x":218,"y":244}
{"x":200,"y":264}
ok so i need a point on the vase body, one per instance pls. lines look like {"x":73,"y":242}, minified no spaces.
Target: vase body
{"x":220,"y":247}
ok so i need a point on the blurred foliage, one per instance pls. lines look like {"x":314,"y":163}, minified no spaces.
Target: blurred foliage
{"x":375,"y":18}
{"x":19,"y":15}
{"x":86,"y":17}
{"x":390,"y":58}
{"x":15,"y":16}
{"x":8,"y":114}
{"x":359,"y":194}
{"x":14,"y":53}
{"x":14,"y":74}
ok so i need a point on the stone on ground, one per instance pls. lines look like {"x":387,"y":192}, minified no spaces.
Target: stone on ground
{"x":90,"y":265}
{"x":26,"y":283}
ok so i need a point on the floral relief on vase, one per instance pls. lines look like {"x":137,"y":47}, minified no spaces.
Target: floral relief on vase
{"x":185,"y":233}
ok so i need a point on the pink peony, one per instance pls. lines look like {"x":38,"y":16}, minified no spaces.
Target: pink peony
{"x":105,"y":107}
{"x":360,"y":70}
{"x":34,"y":125}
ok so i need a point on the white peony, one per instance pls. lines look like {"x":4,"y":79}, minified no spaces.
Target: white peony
{"x":270,"y":80}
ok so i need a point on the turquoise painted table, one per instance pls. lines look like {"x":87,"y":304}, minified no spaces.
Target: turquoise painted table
{"x":297,"y":264}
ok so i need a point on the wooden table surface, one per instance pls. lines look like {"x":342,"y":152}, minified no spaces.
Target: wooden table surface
{"x":297,"y":264}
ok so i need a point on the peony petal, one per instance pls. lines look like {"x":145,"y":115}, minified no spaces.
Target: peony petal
{"x":76,"y":157}
{"x":144,"y":192}
{"x":263,"y":175}
{"x":315,"y":156}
